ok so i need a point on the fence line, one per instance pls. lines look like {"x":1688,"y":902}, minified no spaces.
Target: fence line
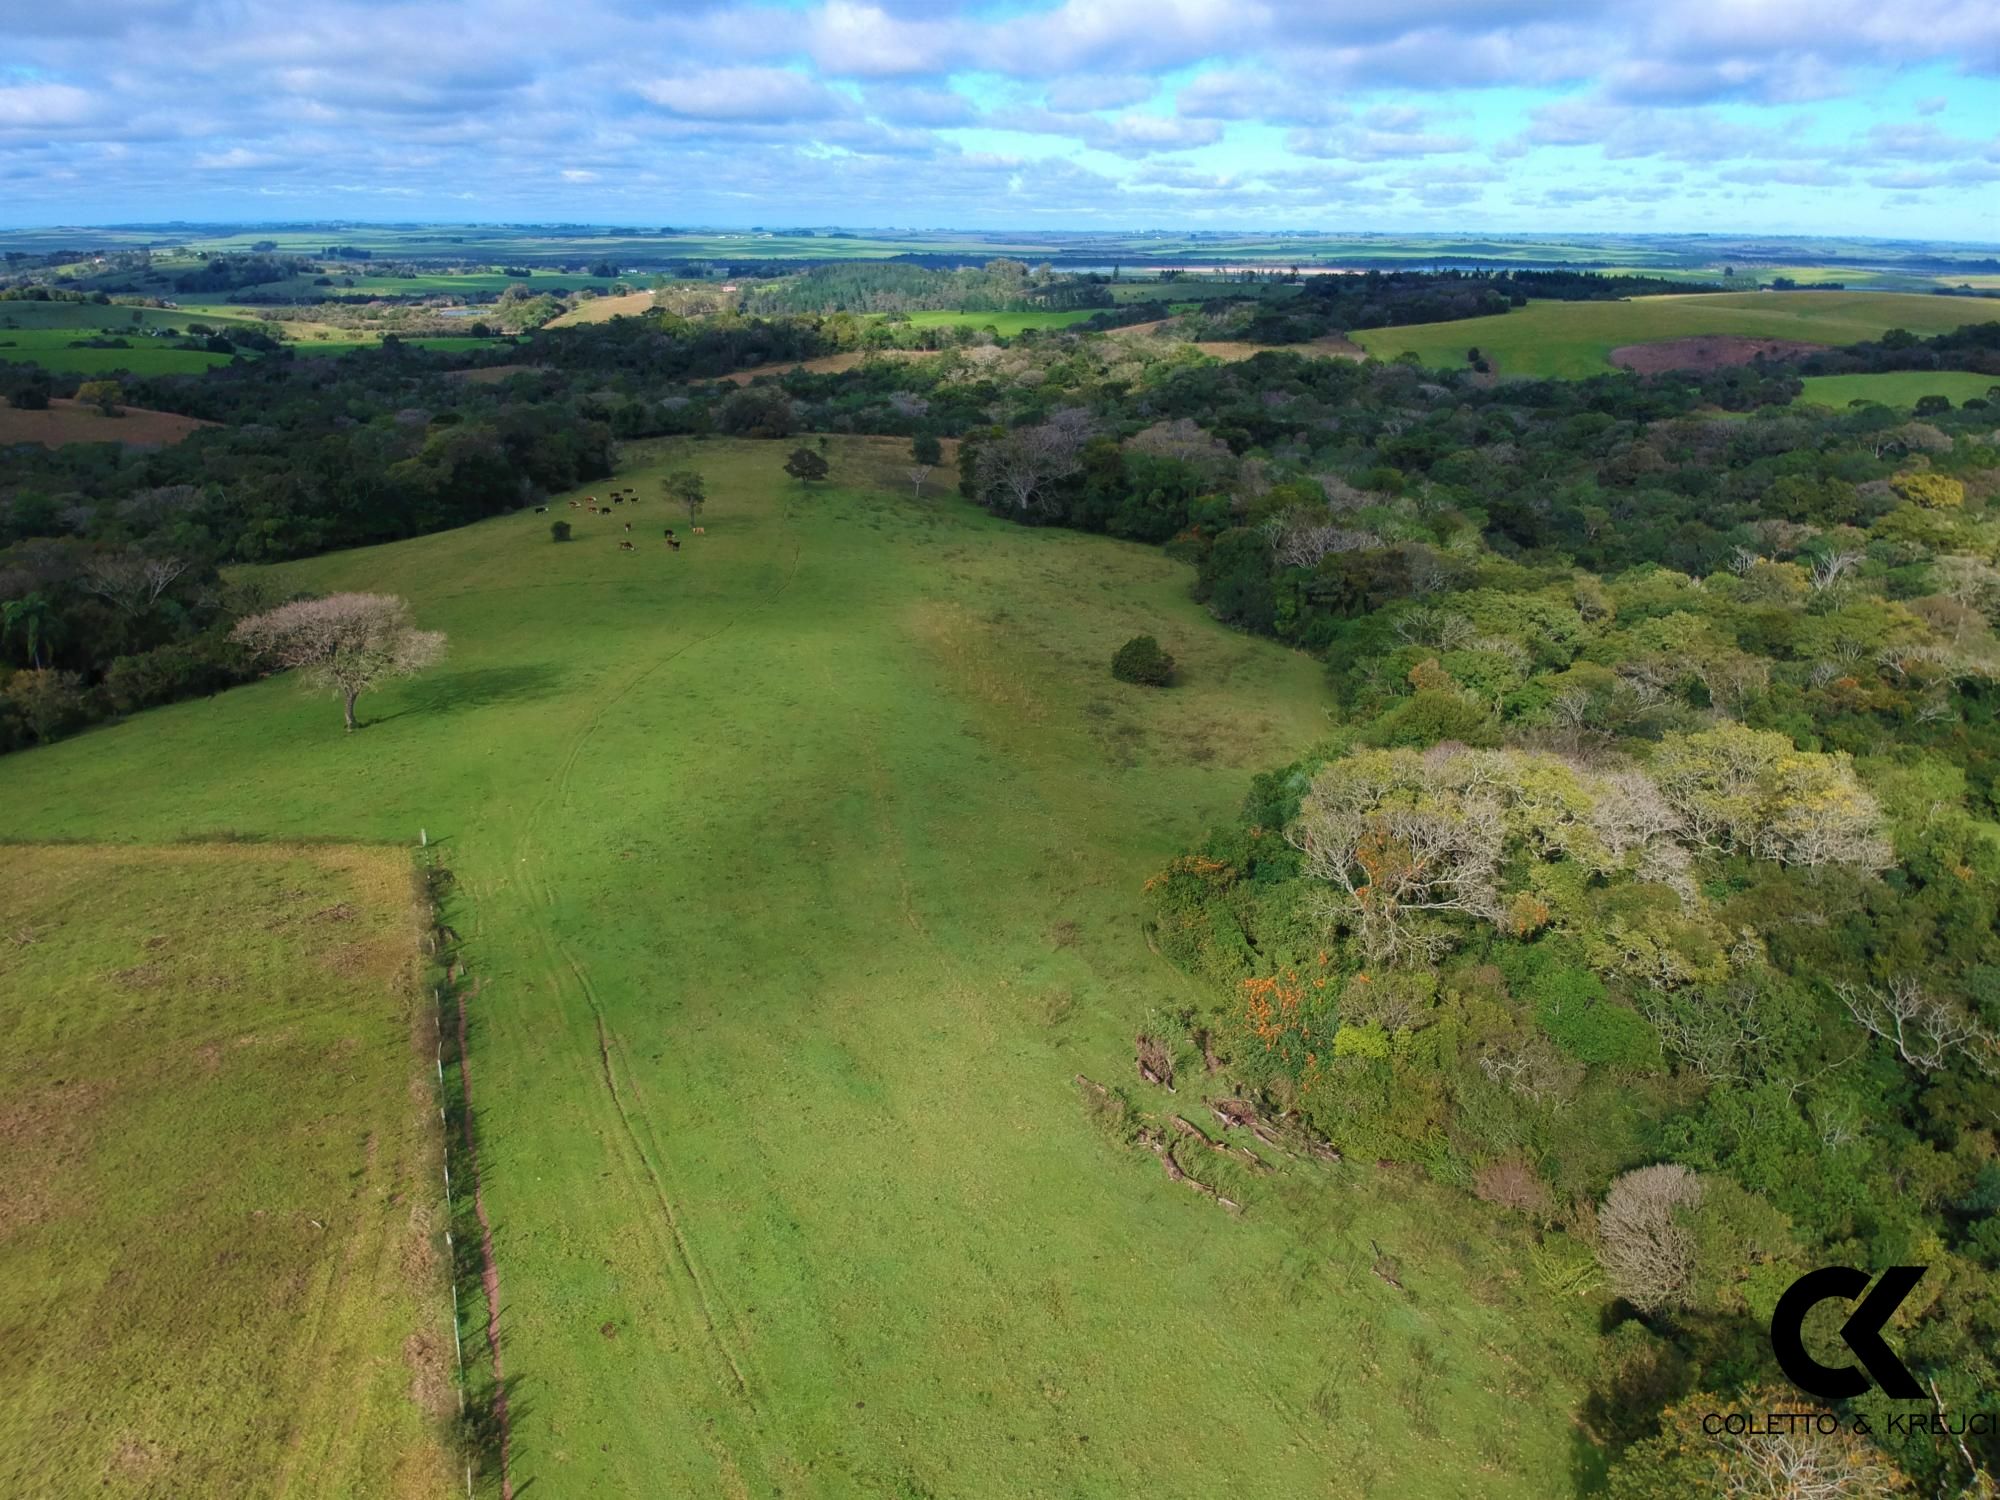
{"x":437,"y":944}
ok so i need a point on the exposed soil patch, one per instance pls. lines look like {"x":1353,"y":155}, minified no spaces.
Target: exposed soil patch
{"x":1705,"y":351}
{"x":68,"y":421}
{"x":492,"y":374}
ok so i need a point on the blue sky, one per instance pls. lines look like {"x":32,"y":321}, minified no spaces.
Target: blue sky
{"x":1792,"y":116}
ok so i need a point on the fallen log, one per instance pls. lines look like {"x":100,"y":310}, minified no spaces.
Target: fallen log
{"x":1386,"y":1267}
{"x":1243,"y":1154}
{"x":1164,"y":1149}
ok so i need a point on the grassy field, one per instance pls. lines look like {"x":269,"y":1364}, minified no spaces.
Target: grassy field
{"x":604,"y":309}
{"x":799,"y":873}
{"x":49,"y":348}
{"x":219,"y":1177}
{"x":1573,"y":339}
{"x":452,"y":343}
{"x":1006,"y":324}
{"x":1898,"y":388}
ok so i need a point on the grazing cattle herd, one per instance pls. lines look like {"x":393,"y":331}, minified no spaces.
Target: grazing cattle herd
{"x":590,"y":505}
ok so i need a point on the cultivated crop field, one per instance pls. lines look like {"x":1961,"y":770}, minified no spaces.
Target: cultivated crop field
{"x":220,"y":1200}
{"x":799,"y":874}
{"x":1575,"y":339}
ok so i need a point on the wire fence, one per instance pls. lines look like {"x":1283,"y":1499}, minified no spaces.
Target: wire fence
{"x":441,"y":939}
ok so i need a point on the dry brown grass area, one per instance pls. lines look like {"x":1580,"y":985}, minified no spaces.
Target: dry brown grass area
{"x":604,"y":309}
{"x":68,"y":421}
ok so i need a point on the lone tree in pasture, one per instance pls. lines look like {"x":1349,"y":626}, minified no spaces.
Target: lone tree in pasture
{"x":104,"y":395}
{"x":685,"y":489}
{"x":805,"y":466}
{"x":344,"y":643}
{"x":926,"y":453}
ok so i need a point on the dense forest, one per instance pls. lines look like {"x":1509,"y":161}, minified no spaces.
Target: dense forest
{"x":1646,"y":891}
{"x":1326,"y":305}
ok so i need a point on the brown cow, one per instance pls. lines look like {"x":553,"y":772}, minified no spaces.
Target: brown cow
{"x":701,"y":531}
{"x":626,"y":547}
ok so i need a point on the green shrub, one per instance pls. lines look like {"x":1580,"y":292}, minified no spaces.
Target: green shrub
{"x":1571,"y":1006}
{"x":558,"y":531}
{"x":1141,"y":660}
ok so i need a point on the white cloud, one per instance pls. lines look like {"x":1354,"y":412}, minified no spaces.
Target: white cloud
{"x":756,"y":94}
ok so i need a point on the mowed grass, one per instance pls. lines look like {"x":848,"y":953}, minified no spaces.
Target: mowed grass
{"x":1575,"y":339}
{"x":219,"y":1177}
{"x":798,"y":874}
{"x":1902,"y":388}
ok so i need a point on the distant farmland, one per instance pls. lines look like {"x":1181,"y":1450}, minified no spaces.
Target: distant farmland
{"x":63,"y":422}
{"x":1006,"y":324}
{"x":49,"y":348}
{"x":1902,"y":388}
{"x":1575,"y":339}
{"x":217,"y":1117}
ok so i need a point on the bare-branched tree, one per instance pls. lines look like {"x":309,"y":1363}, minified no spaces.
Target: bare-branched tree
{"x":344,"y":643}
{"x":1926,"y":1030}
{"x":1644,"y":1242}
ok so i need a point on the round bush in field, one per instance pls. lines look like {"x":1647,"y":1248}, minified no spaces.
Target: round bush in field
{"x":559,"y":531}
{"x":1141,"y":660}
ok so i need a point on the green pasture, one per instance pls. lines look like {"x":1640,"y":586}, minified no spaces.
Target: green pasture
{"x":1899,"y":387}
{"x":49,"y":348}
{"x":221,"y":1216}
{"x":1575,"y":339}
{"x":799,"y":873}
{"x":1006,"y":324}
{"x":448,"y":342}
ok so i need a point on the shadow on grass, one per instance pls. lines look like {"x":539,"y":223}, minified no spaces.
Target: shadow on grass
{"x":476,"y":687}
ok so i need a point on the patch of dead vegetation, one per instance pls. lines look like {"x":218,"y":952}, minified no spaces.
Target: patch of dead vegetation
{"x":430,"y":1377}
{"x":44,"y":1137}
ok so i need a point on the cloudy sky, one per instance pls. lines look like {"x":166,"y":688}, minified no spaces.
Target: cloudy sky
{"x":1833,"y":116}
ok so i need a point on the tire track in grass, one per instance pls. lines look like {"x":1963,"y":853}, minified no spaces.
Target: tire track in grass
{"x":556,"y":967}
{"x":681,"y":1250}
{"x":559,"y":958}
